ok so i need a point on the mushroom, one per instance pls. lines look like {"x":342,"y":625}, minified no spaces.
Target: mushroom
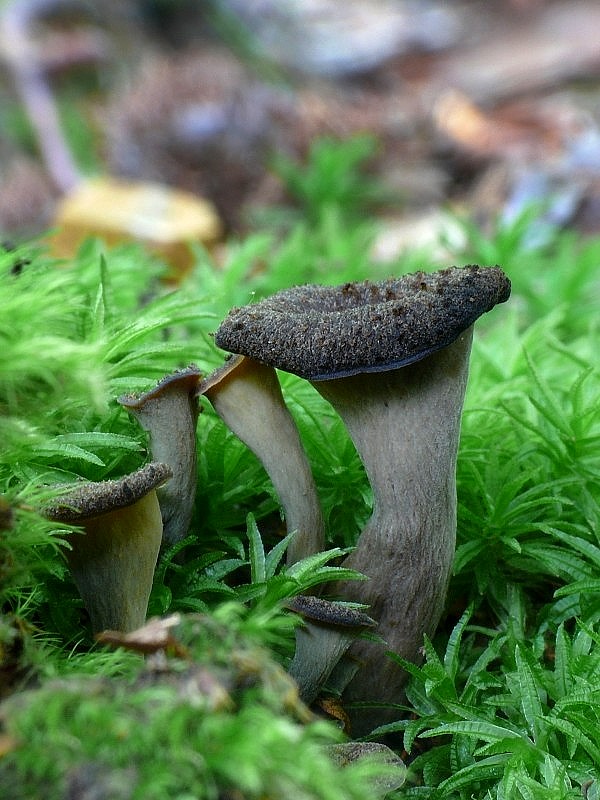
{"x":168,"y":413}
{"x":247,"y":396}
{"x":317,"y":651}
{"x":394,"y":777}
{"x":392,"y":359}
{"x":113,"y":562}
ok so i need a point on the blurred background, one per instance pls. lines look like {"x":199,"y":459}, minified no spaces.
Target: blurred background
{"x":483,"y":107}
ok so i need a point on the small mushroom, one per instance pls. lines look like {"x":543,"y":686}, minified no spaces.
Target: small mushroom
{"x":169,"y":413}
{"x":317,"y":651}
{"x":392,"y":359}
{"x":394,"y":777}
{"x":247,"y":396}
{"x":113,"y":561}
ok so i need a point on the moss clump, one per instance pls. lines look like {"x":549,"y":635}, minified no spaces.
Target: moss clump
{"x":209,"y":715}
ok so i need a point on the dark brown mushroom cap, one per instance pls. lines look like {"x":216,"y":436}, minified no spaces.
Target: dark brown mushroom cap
{"x":328,"y":612}
{"x":324,"y":332}
{"x":235,"y":364}
{"x":187,"y":378}
{"x":92,"y":499}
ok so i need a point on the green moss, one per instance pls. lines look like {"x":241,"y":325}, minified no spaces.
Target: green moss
{"x":222,"y":719}
{"x":524,"y":601}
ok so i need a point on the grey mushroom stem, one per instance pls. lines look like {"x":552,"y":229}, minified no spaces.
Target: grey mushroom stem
{"x":113,"y":560}
{"x":169,"y":413}
{"x":405,"y":425}
{"x":247,"y":397}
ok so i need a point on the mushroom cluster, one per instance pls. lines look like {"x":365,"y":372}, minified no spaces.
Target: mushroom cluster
{"x":392,"y":359}
{"x":126,"y":521}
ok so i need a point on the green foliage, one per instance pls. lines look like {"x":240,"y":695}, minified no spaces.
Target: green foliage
{"x":250,"y":574}
{"x":520,"y":723}
{"x":529,"y":461}
{"x":505,"y":704}
{"x":72,"y":339}
{"x":557,"y":271}
{"x":334,"y":175}
{"x":221,"y":718}
{"x":327,"y":252}
{"x":511,"y":708}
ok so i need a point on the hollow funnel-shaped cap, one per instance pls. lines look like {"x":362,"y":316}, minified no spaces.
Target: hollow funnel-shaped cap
{"x":89,"y":499}
{"x":324,"y":332}
{"x":113,"y":561}
{"x":168,"y":413}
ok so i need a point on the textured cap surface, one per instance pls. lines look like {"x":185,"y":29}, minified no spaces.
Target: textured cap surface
{"x":323,"y":332}
{"x":91,"y":499}
{"x":180,"y":380}
{"x":329,"y":612}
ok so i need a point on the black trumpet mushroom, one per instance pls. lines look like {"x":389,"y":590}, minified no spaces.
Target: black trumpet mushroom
{"x":392,"y":359}
{"x":247,"y":396}
{"x":113,"y":560}
{"x":168,"y":413}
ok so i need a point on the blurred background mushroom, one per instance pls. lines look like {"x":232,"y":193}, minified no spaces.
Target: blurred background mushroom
{"x":163,"y":218}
